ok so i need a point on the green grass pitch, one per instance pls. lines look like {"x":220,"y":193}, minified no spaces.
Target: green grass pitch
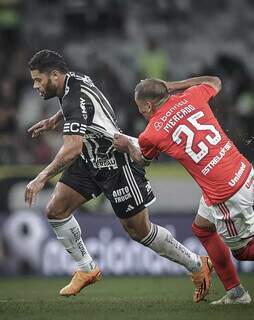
{"x":116,"y":298}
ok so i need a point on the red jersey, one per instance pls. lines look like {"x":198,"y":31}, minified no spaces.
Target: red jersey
{"x":186,"y":129}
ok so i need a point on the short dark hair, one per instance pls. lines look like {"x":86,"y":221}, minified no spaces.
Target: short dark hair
{"x":48,"y":60}
{"x":151,"y":89}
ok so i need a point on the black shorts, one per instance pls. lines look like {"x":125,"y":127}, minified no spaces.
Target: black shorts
{"x":126,"y":187}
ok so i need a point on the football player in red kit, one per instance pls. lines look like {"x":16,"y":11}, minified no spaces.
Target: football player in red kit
{"x":182,"y":125}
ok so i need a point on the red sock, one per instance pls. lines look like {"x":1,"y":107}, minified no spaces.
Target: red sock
{"x":220,"y":256}
{"x":246,"y":253}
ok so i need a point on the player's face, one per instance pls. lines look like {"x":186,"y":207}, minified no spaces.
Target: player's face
{"x":145,"y":108}
{"x":44,"y":83}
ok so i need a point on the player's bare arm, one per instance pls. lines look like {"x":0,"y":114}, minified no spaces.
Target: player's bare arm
{"x":125,"y":144}
{"x":46,"y":124}
{"x":67,"y":154}
{"x":214,"y":82}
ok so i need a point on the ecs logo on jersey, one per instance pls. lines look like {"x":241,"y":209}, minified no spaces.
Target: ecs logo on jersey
{"x":74,"y":127}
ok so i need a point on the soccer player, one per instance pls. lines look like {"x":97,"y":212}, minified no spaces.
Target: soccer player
{"x":183,"y":126}
{"x":92,"y":166}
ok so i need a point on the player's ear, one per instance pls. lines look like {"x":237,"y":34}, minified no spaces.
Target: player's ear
{"x":149,"y":106}
{"x":54,"y":73}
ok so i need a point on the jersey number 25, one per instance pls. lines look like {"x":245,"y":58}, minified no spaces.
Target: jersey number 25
{"x":202,"y":145}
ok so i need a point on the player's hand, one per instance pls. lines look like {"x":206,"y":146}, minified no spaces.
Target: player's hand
{"x":120,"y":142}
{"x":32,"y":189}
{"x":172,"y":86}
{"x":41,"y":127}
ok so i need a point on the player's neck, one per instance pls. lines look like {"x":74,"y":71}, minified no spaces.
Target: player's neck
{"x":159,"y":103}
{"x":61,"y":85}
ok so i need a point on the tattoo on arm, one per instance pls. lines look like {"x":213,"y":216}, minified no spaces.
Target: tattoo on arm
{"x":57,"y":166}
{"x":68,"y":153}
{"x":60,"y":166}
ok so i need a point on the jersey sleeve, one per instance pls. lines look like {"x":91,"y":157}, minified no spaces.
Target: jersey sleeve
{"x":77,"y":110}
{"x":203,"y":92}
{"x":149,"y":151}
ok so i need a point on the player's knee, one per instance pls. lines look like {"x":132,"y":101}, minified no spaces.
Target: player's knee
{"x":56,"y":210}
{"x":137,"y":226}
{"x":131,"y":232}
{"x":196,"y":229}
{"x":240,"y":257}
{"x":241,"y":254}
{"x":134,"y":235}
{"x":136,"y":232}
{"x":201,"y":232}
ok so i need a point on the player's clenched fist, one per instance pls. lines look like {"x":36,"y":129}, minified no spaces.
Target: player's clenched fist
{"x":120,"y":142}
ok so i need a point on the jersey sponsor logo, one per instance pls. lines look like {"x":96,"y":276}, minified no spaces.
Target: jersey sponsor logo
{"x":129,"y":208}
{"x":148,"y":187}
{"x":178,"y":116}
{"x":173,"y":108}
{"x":238,"y":175}
{"x":74,"y":127}
{"x":106,"y":163}
{"x":121,"y":195}
{"x":93,"y":135}
{"x":249,"y":182}
{"x":158,"y":125}
{"x":217,"y":158}
{"x":83,"y":107}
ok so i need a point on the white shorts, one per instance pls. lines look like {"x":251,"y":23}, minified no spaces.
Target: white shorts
{"x":234,"y":218}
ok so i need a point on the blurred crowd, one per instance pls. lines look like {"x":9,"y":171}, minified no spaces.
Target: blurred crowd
{"x":117,"y":43}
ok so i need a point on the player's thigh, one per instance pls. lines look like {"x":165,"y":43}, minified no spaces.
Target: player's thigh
{"x":64,"y":200}
{"x":235,"y":218}
{"x":73,"y":189}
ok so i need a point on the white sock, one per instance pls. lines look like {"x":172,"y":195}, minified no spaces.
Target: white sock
{"x":162,"y":242}
{"x":68,"y":232}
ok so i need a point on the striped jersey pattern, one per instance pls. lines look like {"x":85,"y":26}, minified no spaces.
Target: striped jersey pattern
{"x":87,"y":112}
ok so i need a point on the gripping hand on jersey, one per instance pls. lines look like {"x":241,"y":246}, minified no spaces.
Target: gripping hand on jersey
{"x":121,"y":142}
{"x":46,"y":125}
{"x":129,"y":145}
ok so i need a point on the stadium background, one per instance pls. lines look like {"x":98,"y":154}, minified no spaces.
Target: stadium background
{"x":116,"y":42}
